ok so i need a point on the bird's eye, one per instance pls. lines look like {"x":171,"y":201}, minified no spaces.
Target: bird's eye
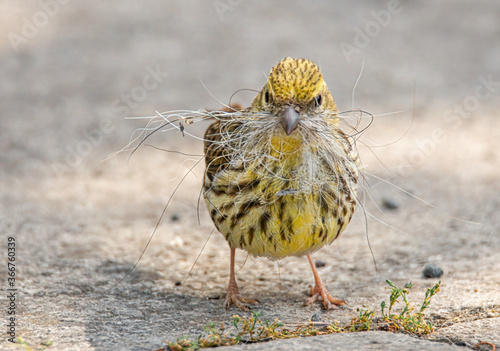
{"x":267,"y":97}
{"x":318,"y":100}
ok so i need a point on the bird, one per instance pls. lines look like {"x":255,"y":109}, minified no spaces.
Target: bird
{"x":281,"y":177}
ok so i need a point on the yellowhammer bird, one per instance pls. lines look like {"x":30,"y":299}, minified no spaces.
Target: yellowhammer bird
{"x":281,"y":176}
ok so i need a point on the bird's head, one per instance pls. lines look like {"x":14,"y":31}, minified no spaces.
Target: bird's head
{"x":295,"y":90}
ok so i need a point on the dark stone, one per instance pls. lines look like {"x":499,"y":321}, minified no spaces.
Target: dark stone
{"x":175,"y":218}
{"x":316,"y":317}
{"x":319,"y":263}
{"x":432,"y":271}
{"x":390,"y":204}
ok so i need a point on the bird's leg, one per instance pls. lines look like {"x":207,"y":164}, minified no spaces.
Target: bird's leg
{"x":319,"y":292}
{"x":233,"y":293}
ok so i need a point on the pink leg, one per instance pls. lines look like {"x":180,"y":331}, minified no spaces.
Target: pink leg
{"x":319,"y":292}
{"x":233,"y":294}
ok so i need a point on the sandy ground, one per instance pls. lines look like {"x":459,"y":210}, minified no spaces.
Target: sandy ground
{"x":72,"y":71}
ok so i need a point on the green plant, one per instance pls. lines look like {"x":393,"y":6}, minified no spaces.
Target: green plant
{"x":251,"y":328}
{"x":44,"y":345}
{"x":408,"y":320}
{"x":246,"y":329}
{"x":363,"y":321}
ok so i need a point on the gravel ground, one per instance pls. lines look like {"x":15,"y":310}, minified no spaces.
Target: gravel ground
{"x":72,"y":71}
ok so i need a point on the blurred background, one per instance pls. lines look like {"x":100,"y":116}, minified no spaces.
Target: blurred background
{"x":72,"y":71}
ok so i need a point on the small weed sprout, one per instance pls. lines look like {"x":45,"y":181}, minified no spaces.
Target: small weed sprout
{"x":28,"y":347}
{"x":363,"y":321}
{"x":407,"y":320}
{"x":246,"y":330}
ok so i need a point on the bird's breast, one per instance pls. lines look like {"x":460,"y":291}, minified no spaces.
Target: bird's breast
{"x":287,"y":202}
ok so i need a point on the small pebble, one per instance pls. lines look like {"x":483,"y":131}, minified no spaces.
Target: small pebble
{"x":432,"y":271}
{"x":178,"y":283}
{"x":319,"y":263}
{"x":390,"y":204}
{"x":316,"y":317}
{"x":174,"y":218}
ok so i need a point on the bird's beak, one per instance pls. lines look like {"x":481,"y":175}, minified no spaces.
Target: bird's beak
{"x":289,"y":119}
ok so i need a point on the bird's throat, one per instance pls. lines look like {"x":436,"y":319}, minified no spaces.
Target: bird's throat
{"x":284,"y":145}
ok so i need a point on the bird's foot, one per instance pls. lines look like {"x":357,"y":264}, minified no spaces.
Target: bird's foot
{"x":233,"y":297}
{"x":319,"y":293}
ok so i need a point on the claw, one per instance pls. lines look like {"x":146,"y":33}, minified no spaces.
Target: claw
{"x":233,"y":294}
{"x":319,"y":292}
{"x":239,"y":301}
